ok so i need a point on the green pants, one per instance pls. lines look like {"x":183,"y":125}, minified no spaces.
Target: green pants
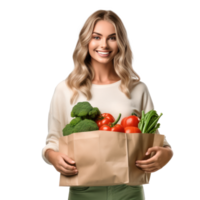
{"x":115,"y":192}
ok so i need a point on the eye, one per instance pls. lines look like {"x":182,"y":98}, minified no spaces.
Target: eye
{"x":114,"y":38}
{"x":95,"y":37}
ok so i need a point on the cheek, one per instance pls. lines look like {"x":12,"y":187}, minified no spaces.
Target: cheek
{"x":116,"y":49}
{"x":90,"y":49}
{"x":92,"y":46}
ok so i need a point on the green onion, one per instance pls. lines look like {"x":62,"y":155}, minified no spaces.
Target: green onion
{"x":148,"y":122}
{"x":152,"y":125}
{"x":150,"y":114}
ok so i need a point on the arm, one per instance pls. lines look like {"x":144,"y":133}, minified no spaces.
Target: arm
{"x":54,"y":126}
{"x":47,"y":154}
{"x":159,"y":160}
{"x":171,"y":151}
{"x":163,"y":155}
{"x":147,"y":105}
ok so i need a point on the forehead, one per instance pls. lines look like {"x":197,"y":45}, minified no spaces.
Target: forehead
{"x":104,"y":27}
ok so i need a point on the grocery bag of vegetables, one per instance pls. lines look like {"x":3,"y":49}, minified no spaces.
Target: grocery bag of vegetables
{"x":105,"y":157}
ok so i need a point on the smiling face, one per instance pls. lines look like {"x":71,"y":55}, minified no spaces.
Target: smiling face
{"x":103,"y":45}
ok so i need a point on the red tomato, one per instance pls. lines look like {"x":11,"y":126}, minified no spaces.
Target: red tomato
{"x":132,"y":120}
{"x":113,"y":126}
{"x":104,"y":118}
{"x":132,"y":129}
{"x":116,"y":128}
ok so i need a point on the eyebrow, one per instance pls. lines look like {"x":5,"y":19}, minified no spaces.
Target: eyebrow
{"x":101,"y":35}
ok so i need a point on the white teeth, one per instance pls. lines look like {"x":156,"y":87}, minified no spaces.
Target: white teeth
{"x":103,"y":52}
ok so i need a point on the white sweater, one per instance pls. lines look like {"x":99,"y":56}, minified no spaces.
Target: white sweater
{"x":108,"y":98}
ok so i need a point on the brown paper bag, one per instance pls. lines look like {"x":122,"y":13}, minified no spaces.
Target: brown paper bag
{"x":106,"y":158}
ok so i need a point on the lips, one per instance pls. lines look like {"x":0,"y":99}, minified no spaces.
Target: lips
{"x":104,"y":51}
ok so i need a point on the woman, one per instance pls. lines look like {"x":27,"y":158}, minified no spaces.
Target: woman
{"x":103,"y":76}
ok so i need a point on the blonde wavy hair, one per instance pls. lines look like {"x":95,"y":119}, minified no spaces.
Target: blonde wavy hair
{"x":80,"y":79}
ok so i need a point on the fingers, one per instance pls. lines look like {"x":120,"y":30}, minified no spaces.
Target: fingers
{"x":66,"y":169}
{"x":67,"y":172}
{"x":67,"y":159}
{"x":145,"y":162}
{"x":65,"y":165}
{"x":148,"y":168}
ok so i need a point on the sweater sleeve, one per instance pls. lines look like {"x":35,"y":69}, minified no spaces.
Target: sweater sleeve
{"x":147,"y":105}
{"x":54,"y":123}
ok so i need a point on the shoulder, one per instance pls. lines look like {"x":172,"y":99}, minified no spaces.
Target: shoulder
{"x":62,"y":87}
{"x":139,"y":87}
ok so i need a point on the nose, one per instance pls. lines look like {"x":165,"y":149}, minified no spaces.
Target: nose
{"x":104,"y":43}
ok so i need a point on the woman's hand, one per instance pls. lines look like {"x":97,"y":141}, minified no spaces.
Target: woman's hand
{"x":62,"y":163}
{"x":160,"y":159}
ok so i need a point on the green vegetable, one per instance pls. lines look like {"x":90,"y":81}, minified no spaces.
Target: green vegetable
{"x":148,"y":122}
{"x":81,"y":126}
{"x":75,"y":121}
{"x":84,"y":115}
{"x":85,"y":111}
{"x":141,"y":123}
